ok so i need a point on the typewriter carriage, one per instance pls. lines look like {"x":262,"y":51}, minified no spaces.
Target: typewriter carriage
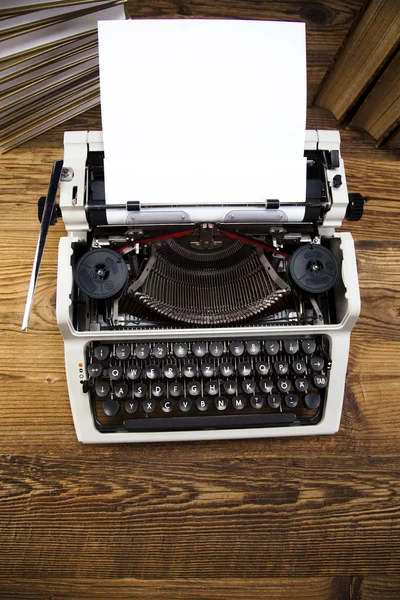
{"x":268,"y":232}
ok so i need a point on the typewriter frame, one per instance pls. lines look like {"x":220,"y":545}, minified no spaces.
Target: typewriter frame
{"x":72,"y":203}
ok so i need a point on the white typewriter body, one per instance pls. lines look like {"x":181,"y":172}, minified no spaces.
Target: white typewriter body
{"x":74,"y":208}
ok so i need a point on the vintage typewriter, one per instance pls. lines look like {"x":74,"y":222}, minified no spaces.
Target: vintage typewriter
{"x":203,"y":322}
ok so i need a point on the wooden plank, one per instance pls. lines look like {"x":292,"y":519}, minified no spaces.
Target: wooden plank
{"x":370,"y":44}
{"x":118,"y":517}
{"x":306,"y":588}
{"x":380,"y":112}
{"x":379,"y":587}
{"x":296,"y":588}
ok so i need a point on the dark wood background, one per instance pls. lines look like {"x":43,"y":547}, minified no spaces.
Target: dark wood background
{"x":302,"y":518}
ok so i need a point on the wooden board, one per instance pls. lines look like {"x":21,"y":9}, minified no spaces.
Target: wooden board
{"x":380,"y":112}
{"x":199,"y":520}
{"x":288,"y":519}
{"x":363,"y":55}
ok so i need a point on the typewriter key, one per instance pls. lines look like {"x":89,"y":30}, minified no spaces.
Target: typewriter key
{"x":111,"y":407}
{"x":312,"y":401}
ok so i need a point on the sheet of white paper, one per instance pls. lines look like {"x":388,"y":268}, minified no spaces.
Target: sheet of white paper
{"x":204,"y":182}
{"x":203,"y":111}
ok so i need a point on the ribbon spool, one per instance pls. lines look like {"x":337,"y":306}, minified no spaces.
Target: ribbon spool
{"x":101,"y":274}
{"x":313,"y":269}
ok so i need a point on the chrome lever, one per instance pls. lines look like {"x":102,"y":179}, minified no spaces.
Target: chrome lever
{"x":44,"y":228}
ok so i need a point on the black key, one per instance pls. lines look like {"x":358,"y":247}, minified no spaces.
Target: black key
{"x":199,"y":349}
{"x":131,"y":406}
{"x":102,"y":389}
{"x":320,"y":381}
{"x":236,"y":348}
{"x":139,"y":390}
{"x":312,"y":401}
{"x":291,"y":346}
{"x":181,"y":349}
{"x":121,"y":390}
{"x":301,"y":384}
{"x":203,"y":403}
{"x":123,"y":351}
{"x":253,"y":348}
{"x":239,"y":402}
{"x":262,"y":367}
{"x":257,"y":401}
{"x":133,"y":372}
{"x":308,"y":346}
{"x":167,"y":404}
{"x":142,"y":351}
{"x":284,"y":385}
{"x":175,"y":389}
{"x":274,"y":401}
{"x":160,"y":350}
{"x":152,"y":371}
{"x":244,"y":368}
{"x":170,"y":371}
{"x":266,"y":385}
{"x":158,"y":389}
{"x":249,"y":386}
{"x":212,"y":387}
{"x":207,"y":369}
{"x":94,"y":369}
{"x":185,"y":404}
{"x":281,"y":367}
{"x":317,"y":363}
{"x":115,"y":372}
{"x":194,"y":388}
{"x":209,"y":422}
{"x":149,"y":406}
{"x":226,"y":369}
{"x":291,"y":400}
{"x":189,"y":370}
{"x":221,"y":403}
{"x":216,"y":349}
{"x":111,"y":407}
{"x":230,"y":387}
{"x":272,"y":347}
{"x":101,"y":352}
{"x":299,"y":367}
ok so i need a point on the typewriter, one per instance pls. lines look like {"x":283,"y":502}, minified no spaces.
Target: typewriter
{"x":203,"y":323}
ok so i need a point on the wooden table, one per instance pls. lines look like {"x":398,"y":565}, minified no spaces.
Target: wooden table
{"x":302,"y":518}
{"x":236,"y":519}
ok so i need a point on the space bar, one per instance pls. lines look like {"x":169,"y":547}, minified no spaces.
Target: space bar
{"x":211,"y":422}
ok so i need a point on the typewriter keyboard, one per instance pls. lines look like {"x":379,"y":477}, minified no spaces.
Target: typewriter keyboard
{"x":172,"y":386}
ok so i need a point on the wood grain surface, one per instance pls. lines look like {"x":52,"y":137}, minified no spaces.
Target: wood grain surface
{"x":313,"y":518}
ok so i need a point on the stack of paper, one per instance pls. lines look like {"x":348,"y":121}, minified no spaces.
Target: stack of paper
{"x":49,"y":69}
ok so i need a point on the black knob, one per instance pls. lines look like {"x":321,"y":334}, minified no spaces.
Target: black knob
{"x":333,"y":159}
{"x":40,"y":208}
{"x":355,"y":207}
